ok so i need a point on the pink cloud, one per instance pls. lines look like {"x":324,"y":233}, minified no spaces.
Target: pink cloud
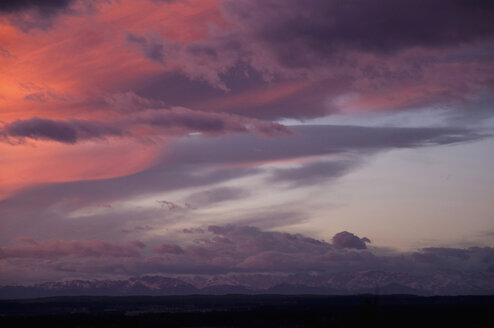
{"x":62,"y":162}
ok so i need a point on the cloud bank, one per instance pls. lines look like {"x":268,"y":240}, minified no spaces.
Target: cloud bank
{"x":241,"y":249}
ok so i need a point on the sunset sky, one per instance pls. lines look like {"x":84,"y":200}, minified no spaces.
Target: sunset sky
{"x":224,"y":136}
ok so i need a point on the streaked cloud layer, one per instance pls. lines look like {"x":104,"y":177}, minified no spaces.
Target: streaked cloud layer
{"x":205,"y":136}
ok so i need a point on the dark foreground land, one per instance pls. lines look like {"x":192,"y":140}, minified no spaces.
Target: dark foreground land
{"x":250,"y":311}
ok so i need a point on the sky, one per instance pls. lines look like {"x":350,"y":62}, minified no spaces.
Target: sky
{"x":241,"y":136}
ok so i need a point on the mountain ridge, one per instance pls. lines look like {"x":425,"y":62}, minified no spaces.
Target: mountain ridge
{"x":365,"y":282}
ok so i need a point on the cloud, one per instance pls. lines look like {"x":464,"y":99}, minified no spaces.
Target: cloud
{"x":69,"y":131}
{"x":237,"y":64}
{"x":5,"y":53}
{"x":129,"y":101}
{"x":472,"y":259}
{"x":310,"y":173}
{"x":323,"y":27}
{"x":347,"y":239}
{"x":229,"y":250}
{"x":175,"y":121}
{"x":434,"y":255}
{"x":197,"y":60}
{"x":232,"y":248}
{"x":253,"y":240}
{"x":168,"y":249}
{"x":39,"y":97}
{"x":274,"y":218}
{"x":443,"y":252}
{"x":203,"y":162}
{"x":179,"y":119}
{"x":274,"y":59}
{"x":391,"y":55}
{"x":42,"y":14}
{"x":216,"y":195}
{"x":311,"y":141}
{"x":193,"y":230}
{"x":45,"y":7}
{"x":151,"y":47}
{"x":73,"y":249}
{"x":168,"y":205}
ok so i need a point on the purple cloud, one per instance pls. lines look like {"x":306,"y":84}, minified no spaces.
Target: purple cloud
{"x":69,"y":131}
{"x":72,"y":249}
{"x":168,"y":249}
{"x":321,"y":27}
{"x":175,"y":121}
{"x":378,"y":51}
{"x":168,"y":205}
{"x":42,"y":14}
{"x":240,"y":253}
{"x":312,"y":141}
{"x":347,"y":239}
{"x":151,"y":46}
{"x":45,"y":7}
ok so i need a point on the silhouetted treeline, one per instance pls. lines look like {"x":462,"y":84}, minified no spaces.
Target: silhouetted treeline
{"x":250,"y":311}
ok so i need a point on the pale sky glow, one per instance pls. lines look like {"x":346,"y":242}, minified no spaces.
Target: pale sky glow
{"x":446,"y":193}
{"x":439,"y":187}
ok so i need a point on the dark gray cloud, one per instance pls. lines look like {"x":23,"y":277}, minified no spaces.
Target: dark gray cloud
{"x":314,"y":29}
{"x":175,"y":121}
{"x":151,"y":46}
{"x":311,"y":141}
{"x":45,"y":7}
{"x":41,"y":14}
{"x":380,"y":49}
{"x":347,"y":239}
{"x":69,"y":131}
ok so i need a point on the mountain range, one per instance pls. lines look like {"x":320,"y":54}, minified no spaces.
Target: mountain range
{"x":381,"y":282}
